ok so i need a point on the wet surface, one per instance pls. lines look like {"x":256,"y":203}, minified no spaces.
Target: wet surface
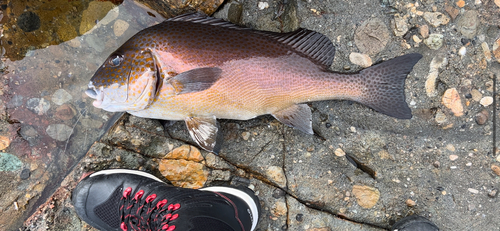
{"x":361,"y":171}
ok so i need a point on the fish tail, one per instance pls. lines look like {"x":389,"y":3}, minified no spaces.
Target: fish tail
{"x":385,"y":85}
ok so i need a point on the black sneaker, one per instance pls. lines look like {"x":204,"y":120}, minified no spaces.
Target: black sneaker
{"x":120,"y":199}
{"x":414,"y":223}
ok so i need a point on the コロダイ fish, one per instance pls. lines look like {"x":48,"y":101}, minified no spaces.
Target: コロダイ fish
{"x":197,"y":69}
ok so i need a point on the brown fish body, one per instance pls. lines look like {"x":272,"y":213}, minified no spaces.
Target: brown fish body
{"x":207,"y":68}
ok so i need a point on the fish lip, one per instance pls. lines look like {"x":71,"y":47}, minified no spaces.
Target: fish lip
{"x":96,"y":94}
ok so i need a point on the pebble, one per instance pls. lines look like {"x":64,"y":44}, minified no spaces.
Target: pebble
{"x":452,"y":100}
{"x":245,"y":135}
{"x":496,"y":49}
{"x":436,"y":164}
{"x":9,"y":162}
{"x":60,"y":132}
{"x":493,"y":193}
{"x":362,"y":60}
{"x":38,"y":106}
{"x":410,"y":203}
{"x":475,"y":191}
{"x":453,"y":157}
{"x":183,"y":168}
{"x":372,"y":36}
{"x":263,"y":5}
{"x":450,"y":147}
{"x":29,"y":134}
{"x":276,"y":175}
{"x":486,"y":101}
{"x":496,"y":169}
{"x":437,"y":63}
{"x":366,"y":196}
{"x":452,"y":11}
{"x":25,"y":174}
{"x":120,"y":27}
{"x":436,"y":18}
{"x":482,"y":117}
{"x":4,"y":142}
{"x":460,"y":3}
{"x":467,"y":24}
{"x":440,"y":117}
{"x":400,"y":25}
{"x":339,"y":152}
{"x":476,"y":95}
{"x":462,"y":51}
{"x":424,"y":31}
{"x":434,"y":41}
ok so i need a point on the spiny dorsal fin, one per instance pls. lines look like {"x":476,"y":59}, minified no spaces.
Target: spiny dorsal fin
{"x":306,"y":42}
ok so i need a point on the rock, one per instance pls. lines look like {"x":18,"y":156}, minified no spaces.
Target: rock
{"x":482,"y":117}
{"x":276,"y":175}
{"x":279,"y":208}
{"x":60,"y":132}
{"x":486,"y":101}
{"x":496,"y":49}
{"x":94,"y":42}
{"x":171,"y":8}
{"x":493,"y":193}
{"x":434,"y":41}
{"x":436,"y":18}
{"x":4,"y":142}
{"x":475,"y":191}
{"x":476,"y":95}
{"x":467,"y":24}
{"x":453,"y":157}
{"x":9,"y":162}
{"x":486,"y":51}
{"x":430,"y":84}
{"x":16,"y":101}
{"x":95,"y":12}
{"x":366,"y":196}
{"x":61,"y":96}
{"x":25,"y":174}
{"x":462,"y":51}
{"x":400,"y":25}
{"x":339,"y":152}
{"x":424,"y":31}
{"x":372,"y":36}
{"x":451,"y":148}
{"x":65,"y":112}
{"x":263,"y":5}
{"x":410,"y":203}
{"x":362,"y":60}
{"x":245,"y":135}
{"x":29,"y":134}
{"x":460,"y":3}
{"x":497,"y":2}
{"x":496,"y":169}
{"x":440,"y":117}
{"x":319,"y":229}
{"x":452,"y":11}
{"x":38,"y":106}
{"x":452,"y":100}
{"x":182,"y":166}
{"x":120,"y":27}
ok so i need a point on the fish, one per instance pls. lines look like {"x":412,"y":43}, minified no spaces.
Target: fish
{"x":199,"y":69}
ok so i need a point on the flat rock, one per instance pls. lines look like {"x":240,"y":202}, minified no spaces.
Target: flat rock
{"x":366,"y":196}
{"x":451,"y":99}
{"x":362,"y":60}
{"x":372,"y":36}
{"x":467,"y":23}
{"x":436,"y":18}
{"x":60,"y":132}
{"x":182,"y":167}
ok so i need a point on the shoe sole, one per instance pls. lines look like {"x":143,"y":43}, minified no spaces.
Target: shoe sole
{"x":232,"y":191}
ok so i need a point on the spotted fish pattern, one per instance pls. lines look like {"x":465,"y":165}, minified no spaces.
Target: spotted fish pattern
{"x":197,"y":69}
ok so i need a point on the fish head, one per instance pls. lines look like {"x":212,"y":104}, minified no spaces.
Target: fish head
{"x":127,"y":81}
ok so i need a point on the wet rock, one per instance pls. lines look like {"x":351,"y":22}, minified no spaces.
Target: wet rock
{"x":467,"y":24}
{"x":400,"y":25}
{"x":482,"y":117}
{"x":29,"y":134}
{"x":486,"y":101}
{"x":496,"y":49}
{"x":434,"y":41}
{"x":436,"y":18}
{"x":366,"y":196}
{"x":496,"y":169}
{"x":372,"y":36}
{"x":25,"y":174}
{"x":170,"y":8}
{"x":424,"y":31}
{"x":28,"y":21}
{"x":38,"y":106}
{"x":452,"y":100}
{"x":120,"y":27}
{"x":61,"y":96}
{"x":182,"y":166}
{"x":96,"y":11}
{"x":60,"y":132}
{"x":4,"y":142}
{"x":65,"y":112}
{"x":276,"y":175}
{"x":362,"y":60}
{"x":437,"y":63}
{"x":9,"y":162}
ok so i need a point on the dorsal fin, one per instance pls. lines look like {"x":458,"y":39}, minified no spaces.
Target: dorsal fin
{"x":311,"y":44}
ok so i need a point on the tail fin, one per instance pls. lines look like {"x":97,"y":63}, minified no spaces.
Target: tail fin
{"x":385,"y":83}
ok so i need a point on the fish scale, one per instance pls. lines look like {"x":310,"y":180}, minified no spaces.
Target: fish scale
{"x":197,"y":69}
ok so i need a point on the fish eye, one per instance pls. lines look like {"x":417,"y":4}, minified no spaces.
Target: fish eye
{"x":115,"y":60}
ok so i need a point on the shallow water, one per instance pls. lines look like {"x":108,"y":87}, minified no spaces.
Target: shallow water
{"x":47,"y":117}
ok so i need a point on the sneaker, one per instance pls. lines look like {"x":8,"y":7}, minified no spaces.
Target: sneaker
{"x":119,"y":199}
{"x":414,"y":223}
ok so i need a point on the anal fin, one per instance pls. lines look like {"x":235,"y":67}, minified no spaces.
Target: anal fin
{"x":298,"y":116}
{"x":204,"y":130}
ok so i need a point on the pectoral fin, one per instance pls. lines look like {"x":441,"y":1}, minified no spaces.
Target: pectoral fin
{"x":297,"y":116}
{"x":203,"y":130}
{"x":195,"y":80}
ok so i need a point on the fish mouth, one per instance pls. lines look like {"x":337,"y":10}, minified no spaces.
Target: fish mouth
{"x":96,"y":94}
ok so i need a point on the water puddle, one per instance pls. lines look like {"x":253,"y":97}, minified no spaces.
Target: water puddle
{"x":50,"y":50}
